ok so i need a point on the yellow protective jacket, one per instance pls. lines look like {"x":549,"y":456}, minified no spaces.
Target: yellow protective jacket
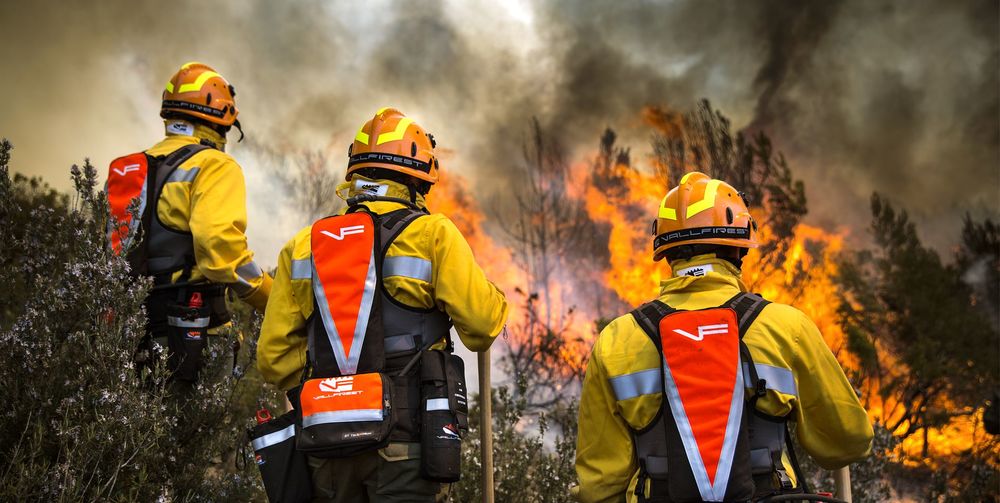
{"x":805,"y":383}
{"x":211,"y":206}
{"x":456,"y":285}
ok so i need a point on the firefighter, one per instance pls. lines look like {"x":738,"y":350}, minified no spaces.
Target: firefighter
{"x":430,"y":281}
{"x":190,"y":235}
{"x":662,"y":390}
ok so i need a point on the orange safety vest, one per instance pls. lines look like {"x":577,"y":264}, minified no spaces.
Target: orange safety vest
{"x":709,"y":443}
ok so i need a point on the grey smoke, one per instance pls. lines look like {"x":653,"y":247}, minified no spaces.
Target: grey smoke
{"x":899,"y":97}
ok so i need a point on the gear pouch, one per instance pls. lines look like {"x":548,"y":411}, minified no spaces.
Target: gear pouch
{"x":440,"y":428}
{"x":343,"y":416}
{"x":187,"y":336}
{"x":283,"y":469}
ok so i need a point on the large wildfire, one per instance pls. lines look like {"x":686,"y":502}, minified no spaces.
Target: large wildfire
{"x":618,"y":200}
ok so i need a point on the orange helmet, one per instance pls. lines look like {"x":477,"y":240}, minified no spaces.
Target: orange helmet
{"x":197,"y":90}
{"x":703,"y":211}
{"x":393,"y":141}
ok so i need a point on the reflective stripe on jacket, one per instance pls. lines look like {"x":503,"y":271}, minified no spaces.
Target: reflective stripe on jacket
{"x":206,"y":196}
{"x":430,"y":265}
{"x":622,"y":387}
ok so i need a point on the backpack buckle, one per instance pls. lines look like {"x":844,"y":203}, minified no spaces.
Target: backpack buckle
{"x":761,"y":388}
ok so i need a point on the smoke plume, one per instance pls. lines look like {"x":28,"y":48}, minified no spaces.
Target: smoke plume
{"x":899,"y":97}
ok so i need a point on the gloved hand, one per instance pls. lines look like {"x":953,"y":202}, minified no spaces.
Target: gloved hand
{"x":258,"y":298}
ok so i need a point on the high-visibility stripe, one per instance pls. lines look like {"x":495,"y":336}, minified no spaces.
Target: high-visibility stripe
{"x":643,"y":382}
{"x":273,"y":438}
{"x":396,"y":134}
{"x":126,"y":183}
{"x":362,"y":136}
{"x":342,"y":416}
{"x":183,"y":175}
{"x":176,"y":321}
{"x":708,"y":490}
{"x":706,"y":202}
{"x":348,"y":363}
{"x":250,"y":270}
{"x":196,"y":85}
{"x":687,"y":389}
{"x":437,"y":404}
{"x":408,"y":267}
{"x":302,"y":269}
{"x":775,"y":378}
{"x":666,"y":211}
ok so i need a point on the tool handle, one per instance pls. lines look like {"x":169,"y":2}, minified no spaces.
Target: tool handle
{"x":486,"y":425}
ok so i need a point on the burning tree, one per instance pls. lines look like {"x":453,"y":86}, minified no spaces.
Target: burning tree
{"x":545,"y":230}
{"x":926,"y":337}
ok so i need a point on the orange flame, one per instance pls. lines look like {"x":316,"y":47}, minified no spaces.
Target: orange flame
{"x":804,"y":277}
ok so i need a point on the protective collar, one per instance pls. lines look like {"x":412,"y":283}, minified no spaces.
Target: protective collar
{"x":701,"y":273}
{"x":179,"y":127}
{"x":359,"y":184}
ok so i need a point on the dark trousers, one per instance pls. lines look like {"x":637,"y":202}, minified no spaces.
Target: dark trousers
{"x":390,"y":475}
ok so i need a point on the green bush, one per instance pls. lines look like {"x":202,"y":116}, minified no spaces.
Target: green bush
{"x":77,"y":425}
{"x":528,"y":465}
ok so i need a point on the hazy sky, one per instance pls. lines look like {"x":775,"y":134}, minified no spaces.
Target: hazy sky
{"x":899,"y":97}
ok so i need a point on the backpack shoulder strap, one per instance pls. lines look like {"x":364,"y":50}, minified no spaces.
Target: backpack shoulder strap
{"x":393,"y":224}
{"x":748,"y":306}
{"x":171,"y":161}
{"x":649,"y":315}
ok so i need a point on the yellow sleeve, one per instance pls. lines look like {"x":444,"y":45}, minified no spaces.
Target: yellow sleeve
{"x":281,"y":349}
{"x":218,"y":224}
{"x":833,"y":426}
{"x":477,"y":308}
{"x":605,"y":463}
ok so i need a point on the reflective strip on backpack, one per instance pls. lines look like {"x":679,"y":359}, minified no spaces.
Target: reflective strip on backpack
{"x":437,"y":404}
{"x":273,"y":438}
{"x":643,"y":382}
{"x":359,"y":229}
{"x":176,"y":321}
{"x":408,"y":267}
{"x":302,"y":269}
{"x":126,"y":184}
{"x":342,"y":416}
{"x":183,"y":175}
{"x":775,"y":378}
{"x":708,"y":490}
{"x":695,"y":401}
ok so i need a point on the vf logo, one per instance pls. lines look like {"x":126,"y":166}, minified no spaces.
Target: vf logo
{"x":345,"y":231}
{"x":337,"y":384}
{"x":704,"y":330}
{"x":126,"y":169}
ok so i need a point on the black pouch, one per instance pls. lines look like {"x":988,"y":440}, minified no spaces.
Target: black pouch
{"x":440,"y":434}
{"x":283,"y":468}
{"x":344,"y":416}
{"x":458,"y":396}
{"x":187,"y":337}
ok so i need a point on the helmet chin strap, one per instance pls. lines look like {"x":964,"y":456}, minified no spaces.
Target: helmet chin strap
{"x":236,"y":123}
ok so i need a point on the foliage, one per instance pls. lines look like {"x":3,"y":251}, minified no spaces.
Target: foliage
{"x":939,"y":320}
{"x":77,"y":425}
{"x":536,"y":360}
{"x":869,"y":477}
{"x":902,"y":297}
{"x":532,"y":464}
